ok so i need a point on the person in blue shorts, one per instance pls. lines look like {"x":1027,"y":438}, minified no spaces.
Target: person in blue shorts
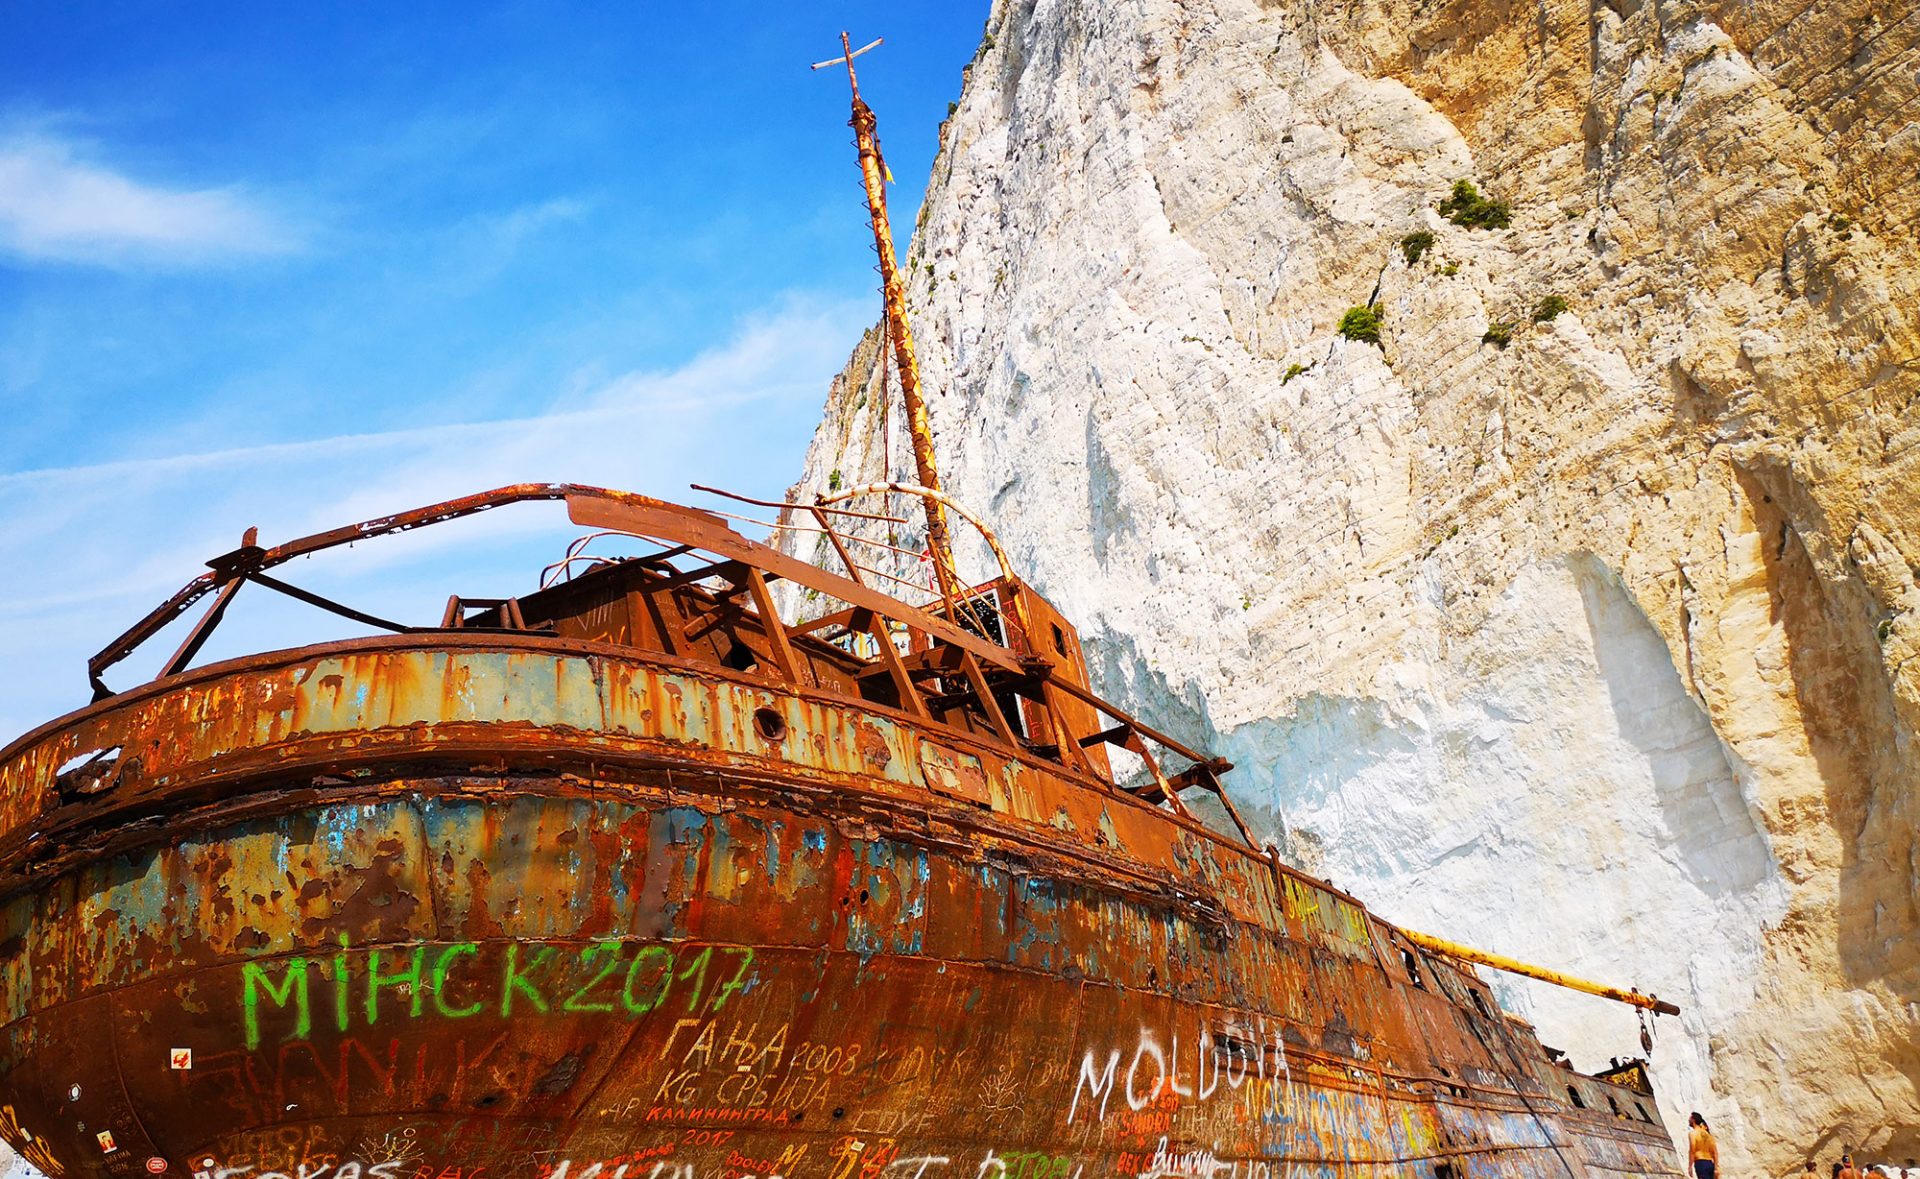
{"x":1703,"y":1153}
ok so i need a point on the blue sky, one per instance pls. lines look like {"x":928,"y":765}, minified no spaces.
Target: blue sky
{"x":291,"y":266}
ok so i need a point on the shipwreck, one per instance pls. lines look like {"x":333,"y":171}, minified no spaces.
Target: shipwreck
{"x":633,"y":878}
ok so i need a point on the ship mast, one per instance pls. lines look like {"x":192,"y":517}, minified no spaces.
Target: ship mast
{"x":873,"y":172}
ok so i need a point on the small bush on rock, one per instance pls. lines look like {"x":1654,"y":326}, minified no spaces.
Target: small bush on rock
{"x":1361,"y":323}
{"x":1293,"y":370}
{"x":1415,"y":244}
{"x":1499,"y":333}
{"x":1548,"y":309}
{"x":1467,"y":207}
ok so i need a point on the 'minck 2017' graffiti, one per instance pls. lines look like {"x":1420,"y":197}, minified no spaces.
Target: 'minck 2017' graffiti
{"x":510,"y":980}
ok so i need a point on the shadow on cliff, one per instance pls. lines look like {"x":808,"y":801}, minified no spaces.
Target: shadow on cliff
{"x":1845,"y":703}
{"x":1716,"y":834}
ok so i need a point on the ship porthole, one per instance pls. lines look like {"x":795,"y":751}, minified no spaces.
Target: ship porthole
{"x":769,"y":724}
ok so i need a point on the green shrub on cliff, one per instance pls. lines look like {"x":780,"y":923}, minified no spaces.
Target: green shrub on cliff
{"x":1361,"y":323}
{"x":1467,"y":207}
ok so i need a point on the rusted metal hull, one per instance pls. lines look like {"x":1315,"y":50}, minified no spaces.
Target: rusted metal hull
{"x":443,"y":907}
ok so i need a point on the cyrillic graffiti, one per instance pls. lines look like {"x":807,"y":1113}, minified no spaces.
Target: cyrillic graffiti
{"x":351,"y":1169}
{"x":463,"y":979}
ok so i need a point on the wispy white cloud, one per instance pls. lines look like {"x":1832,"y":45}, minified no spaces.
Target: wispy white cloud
{"x":475,"y":251}
{"x":86,"y":549}
{"x":518,"y":224}
{"x":58,"y":205}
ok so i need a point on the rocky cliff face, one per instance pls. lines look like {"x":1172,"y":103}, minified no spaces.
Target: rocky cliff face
{"x":1597,"y":647}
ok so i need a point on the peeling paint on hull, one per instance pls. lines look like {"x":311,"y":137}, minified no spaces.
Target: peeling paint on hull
{"x":447,"y":907}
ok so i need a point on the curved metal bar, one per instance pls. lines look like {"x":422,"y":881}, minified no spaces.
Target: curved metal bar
{"x":250,"y":558}
{"x":619,"y":511}
{"x":937,"y":496}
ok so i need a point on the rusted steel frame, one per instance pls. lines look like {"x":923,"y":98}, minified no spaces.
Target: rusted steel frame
{"x":645,"y":517}
{"x":776,"y":631}
{"x":455,"y":617}
{"x":202,"y":630}
{"x":945,"y":664}
{"x":934,"y":661}
{"x":1558,"y":978}
{"x":866,"y":620}
{"x":592,"y":506}
{"x":1203,"y":775}
{"x":137,"y":634}
{"x":662,"y":559}
{"x":1218,"y":765}
{"x":1233,"y":812}
{"x":329,"y":605}
{"x":708,"y":609}
{"x":824,"y":529}
{"x":1138,"y":748}
{"x":1114,"y":736}
{"x":839,"y":618}
{"x":933,"y":495}
{"x":723,"y":613}
{"x":439,"y":513}
{"x":654,"y":583}
{"x":251,"y":558}
{"x":846,"y":558}
{"x":1071,"y":754}
{"x":1059,"y":736}
{"x":729,"y":570}
{"x":988,"y":705}
{"x":638,"y":601}
{"x":576,"y":551}
{"x":1125,"y":737}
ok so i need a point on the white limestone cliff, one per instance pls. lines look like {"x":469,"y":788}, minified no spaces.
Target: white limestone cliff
{"x":1596,"y":648}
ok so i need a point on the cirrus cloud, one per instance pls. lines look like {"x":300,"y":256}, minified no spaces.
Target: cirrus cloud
{"x":56,"y":205}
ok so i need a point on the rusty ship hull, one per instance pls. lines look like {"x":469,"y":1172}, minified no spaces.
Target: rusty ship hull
{"x":631,"y":880}
{"x":451,"y":908}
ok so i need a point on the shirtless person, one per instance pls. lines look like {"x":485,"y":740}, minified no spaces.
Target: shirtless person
{"x":1703,"y":1153}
